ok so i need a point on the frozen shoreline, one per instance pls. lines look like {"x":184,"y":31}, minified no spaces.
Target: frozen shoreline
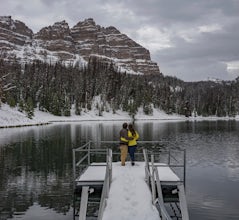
{"x":11,"y":117}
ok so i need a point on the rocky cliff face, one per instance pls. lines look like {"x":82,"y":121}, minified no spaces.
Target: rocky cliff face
{"x":73,"y":45}
{"x":13,"y":36}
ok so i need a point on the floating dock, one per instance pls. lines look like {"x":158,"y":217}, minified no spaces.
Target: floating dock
{"x":150,"y":190}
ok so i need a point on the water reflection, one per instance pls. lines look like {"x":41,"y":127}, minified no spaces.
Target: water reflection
{"x":34,"y":164}
{"x":36,"y":169}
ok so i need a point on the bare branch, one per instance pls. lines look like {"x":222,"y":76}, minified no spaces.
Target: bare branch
{"x":7,"y":89}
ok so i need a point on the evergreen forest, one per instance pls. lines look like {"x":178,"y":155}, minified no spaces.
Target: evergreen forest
{"x":57,"y":88}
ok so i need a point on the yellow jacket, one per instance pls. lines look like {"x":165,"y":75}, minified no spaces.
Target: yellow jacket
{"x":134,"y":141}
{"x":124,"y":139}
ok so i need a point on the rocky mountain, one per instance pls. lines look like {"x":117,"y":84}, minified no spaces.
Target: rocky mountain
{"x":74,"y":45}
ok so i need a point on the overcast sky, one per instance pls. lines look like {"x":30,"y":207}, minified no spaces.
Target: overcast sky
{"x":190,"y":39}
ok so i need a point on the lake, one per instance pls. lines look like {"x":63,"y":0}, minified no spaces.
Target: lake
{"x":36,"y":166}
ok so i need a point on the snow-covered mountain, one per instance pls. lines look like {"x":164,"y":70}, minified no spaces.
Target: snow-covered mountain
{"x":74,"y":45}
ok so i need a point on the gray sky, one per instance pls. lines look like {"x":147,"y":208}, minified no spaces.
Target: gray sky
{"x":192,"y":40}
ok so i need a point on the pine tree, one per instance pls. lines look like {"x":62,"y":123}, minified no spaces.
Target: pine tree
{"x":29,"y":108}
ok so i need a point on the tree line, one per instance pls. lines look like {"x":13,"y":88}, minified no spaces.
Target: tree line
{"x":58,"y":89}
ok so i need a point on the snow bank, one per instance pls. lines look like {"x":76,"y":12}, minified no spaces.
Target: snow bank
{"x":11,"y":117}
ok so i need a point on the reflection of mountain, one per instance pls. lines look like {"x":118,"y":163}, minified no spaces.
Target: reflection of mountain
{"x":36,"y":211}
{"x":36,"y":170}
{"x":26,"y":187}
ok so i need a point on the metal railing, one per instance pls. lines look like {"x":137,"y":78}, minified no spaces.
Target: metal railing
{"x":159,"y":200}
{"x":106,"y":186}
{"x":153,"y":180}
{"x":150,"y":179}
{"x":96,"y":151}
{"x":84,"y":156}
{"x":175,"y":159}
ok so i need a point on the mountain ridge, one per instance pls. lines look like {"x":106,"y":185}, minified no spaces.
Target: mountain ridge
{"x":59,"y":42}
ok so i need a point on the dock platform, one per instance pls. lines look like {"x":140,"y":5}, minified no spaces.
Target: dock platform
{"x":151,"y":188}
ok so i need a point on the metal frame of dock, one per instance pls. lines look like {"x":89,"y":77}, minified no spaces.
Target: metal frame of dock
{"x":168,"y":196}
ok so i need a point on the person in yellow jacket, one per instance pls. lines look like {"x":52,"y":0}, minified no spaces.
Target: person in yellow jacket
{"x":124,"y":139}
{"x":132,"y":144}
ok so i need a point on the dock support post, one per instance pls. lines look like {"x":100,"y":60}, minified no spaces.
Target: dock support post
{"x":84,"y":202}
{"x":182,"y":202}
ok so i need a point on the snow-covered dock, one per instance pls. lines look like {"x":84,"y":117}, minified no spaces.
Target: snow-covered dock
{"x":129,"y":192}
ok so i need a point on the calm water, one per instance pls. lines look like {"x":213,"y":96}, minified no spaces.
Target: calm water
{"x":36,"y":171}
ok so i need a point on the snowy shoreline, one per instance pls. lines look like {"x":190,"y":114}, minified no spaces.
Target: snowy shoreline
{"x":11,"y":117}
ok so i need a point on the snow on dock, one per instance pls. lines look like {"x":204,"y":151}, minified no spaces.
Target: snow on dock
{"x":95,"y":172}
{"x":129,"y":196}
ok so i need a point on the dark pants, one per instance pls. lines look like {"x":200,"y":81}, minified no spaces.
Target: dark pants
{"x":131,"y":150}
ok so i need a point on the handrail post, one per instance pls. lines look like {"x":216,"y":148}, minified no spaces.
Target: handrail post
{"x":107,"y":168}
{"x":169,"y":156}
{"x":74,"y":167}
{"x":184,"y":168}
{"x":89,"y":147}
{"x":146,"y":166}
{"x":153,"y":179}
{"x":110,"y":166}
